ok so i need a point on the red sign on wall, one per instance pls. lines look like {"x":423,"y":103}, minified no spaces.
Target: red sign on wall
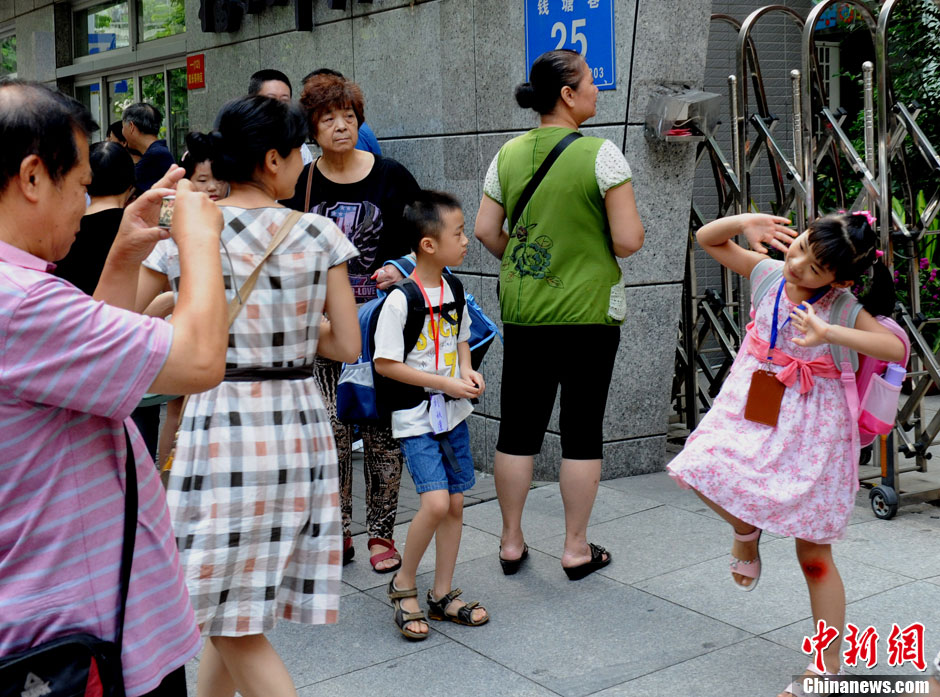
{"x":196,"y":71}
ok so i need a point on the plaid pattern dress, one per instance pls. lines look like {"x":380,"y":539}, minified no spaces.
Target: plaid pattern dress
{"x":253,"y":491}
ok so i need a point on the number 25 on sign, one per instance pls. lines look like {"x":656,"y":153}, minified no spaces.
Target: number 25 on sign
{"x":585,"y":26}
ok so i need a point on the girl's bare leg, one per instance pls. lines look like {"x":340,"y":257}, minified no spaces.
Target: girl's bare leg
{"x":826,"y":596}
{"x":745,"y":551}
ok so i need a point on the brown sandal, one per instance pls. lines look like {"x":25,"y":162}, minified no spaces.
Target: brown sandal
{"x":389,"y":553}
{"x":402,"y":618}
{"x":437,"y":610}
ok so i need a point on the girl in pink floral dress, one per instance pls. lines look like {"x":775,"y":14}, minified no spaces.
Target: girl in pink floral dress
{"x":799,"y":476}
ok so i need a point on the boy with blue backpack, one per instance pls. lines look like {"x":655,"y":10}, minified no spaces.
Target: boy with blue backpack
{"x":428,"y":389}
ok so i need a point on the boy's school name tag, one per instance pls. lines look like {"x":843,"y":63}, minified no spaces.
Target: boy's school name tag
{"x":438,"y":413}
{"x":764,"y":398}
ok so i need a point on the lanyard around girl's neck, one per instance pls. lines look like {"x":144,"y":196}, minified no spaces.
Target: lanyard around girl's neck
{"x":435,"y":333}
{"x":773,"y":332}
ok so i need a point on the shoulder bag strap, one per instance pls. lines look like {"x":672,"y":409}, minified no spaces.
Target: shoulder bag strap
{"x":309,"y":183}
{"x":538,"y":177}
{"x":241,"y":297}
{"x":130,"y":534}
{"x":236,"y":304}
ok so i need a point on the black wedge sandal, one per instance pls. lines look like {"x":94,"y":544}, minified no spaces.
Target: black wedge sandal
{"x":402,"y":618}
{"x":576,"y":573}
{"x":511,"y":566}
{"x":437,"y":610}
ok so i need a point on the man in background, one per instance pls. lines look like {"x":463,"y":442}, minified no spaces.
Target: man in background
{"x":140,"y":125}
{"x":276,"y":85}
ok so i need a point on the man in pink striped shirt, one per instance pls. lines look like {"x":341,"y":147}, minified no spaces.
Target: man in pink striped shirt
{"x":72,"y":369}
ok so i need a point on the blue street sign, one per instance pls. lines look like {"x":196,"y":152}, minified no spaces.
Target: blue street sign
{"x":586,"y":26}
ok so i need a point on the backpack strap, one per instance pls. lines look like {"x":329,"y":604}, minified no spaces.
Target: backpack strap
{"x":405,"y":264}
{"x":899,"y":332}
{"x":418,"y":310}
{"x":843,"y":312}
{"x":414,"y":319}
{"x":766,"y":275}
{"x":460,"y":298}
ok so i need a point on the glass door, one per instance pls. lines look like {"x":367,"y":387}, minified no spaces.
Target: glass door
{"x":90,"y":96}
{"x":164,"y":86}
{"x":177,"y":110}
{"x":120,"y":96}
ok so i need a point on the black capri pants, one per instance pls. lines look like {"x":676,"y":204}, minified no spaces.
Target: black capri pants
{"x":536,"y":360}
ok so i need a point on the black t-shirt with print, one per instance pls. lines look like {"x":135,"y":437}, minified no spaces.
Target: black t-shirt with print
{"x":368,"y":212}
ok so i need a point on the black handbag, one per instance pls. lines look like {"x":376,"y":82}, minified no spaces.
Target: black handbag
{"x":79,"y":665}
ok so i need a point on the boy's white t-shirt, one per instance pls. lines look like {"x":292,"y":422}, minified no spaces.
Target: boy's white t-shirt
{"x":390,"y":343}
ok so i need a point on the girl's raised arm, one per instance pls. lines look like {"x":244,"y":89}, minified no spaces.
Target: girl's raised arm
{"x":759,"y":230}
{"x":868,"y":336}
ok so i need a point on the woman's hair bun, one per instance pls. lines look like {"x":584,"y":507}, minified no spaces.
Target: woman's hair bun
{"x":215,"y":141}
{"x":247,"y":128}
{"x":525,"y":95}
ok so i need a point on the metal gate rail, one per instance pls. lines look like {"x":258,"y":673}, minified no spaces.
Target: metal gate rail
{"x":712,"y":321}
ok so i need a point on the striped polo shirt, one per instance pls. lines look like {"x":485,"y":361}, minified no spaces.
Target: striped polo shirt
{"x":71,"y":372}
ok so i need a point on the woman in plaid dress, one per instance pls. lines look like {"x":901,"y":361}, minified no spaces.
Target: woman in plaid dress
{"x":253,"y":488}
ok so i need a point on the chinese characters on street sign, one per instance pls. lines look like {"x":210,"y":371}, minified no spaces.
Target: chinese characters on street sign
{"x":585,"y":26}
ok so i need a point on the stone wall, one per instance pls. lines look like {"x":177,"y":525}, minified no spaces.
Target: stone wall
{"x":438,"y":76}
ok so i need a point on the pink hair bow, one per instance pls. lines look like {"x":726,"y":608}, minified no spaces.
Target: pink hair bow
{"x":879,"y":253}
{"x":868,"y":216}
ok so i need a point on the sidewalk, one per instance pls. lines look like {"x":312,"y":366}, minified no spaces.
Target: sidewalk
{"x":661,"y":621}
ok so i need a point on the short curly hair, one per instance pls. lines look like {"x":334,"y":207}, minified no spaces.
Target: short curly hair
{"x":324,"y":92}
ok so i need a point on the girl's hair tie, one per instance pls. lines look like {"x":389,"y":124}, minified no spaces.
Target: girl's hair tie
{"x":879,"y":253}
{"x":868,"y":216}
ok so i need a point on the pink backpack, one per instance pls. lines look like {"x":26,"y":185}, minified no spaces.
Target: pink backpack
{"x":860,"y":374}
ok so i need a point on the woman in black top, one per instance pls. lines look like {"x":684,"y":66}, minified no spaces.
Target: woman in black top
{"x":112,"y":182}
{"x":364,"y":194}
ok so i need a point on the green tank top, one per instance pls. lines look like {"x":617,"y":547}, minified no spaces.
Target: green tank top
{"x":559,"y":266}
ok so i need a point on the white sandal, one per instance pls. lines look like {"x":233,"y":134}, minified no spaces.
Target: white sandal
{"x":751,"y":568}
{"x":796,"y":688}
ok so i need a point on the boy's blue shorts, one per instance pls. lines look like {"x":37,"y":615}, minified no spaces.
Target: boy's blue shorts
{"x":430,"y":469}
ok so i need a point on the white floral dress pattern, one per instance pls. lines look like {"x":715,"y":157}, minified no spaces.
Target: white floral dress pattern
{"x":797,"y":479}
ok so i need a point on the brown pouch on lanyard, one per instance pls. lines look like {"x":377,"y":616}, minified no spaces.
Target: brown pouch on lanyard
{"x":764,"y":398}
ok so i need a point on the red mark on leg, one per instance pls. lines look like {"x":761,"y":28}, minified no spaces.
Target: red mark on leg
{"x":815,"y":570}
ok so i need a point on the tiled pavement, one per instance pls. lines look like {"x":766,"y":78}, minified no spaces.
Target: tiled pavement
{"x":662,"y":620}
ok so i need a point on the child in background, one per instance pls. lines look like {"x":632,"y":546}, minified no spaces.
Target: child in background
{"x":434,"y":383}
{"x":797,"y":478}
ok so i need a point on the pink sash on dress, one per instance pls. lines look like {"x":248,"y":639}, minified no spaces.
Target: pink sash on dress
{"x":792,"y":367}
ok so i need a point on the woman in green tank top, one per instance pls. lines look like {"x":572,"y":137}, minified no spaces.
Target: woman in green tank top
{"x":562,"y":298}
